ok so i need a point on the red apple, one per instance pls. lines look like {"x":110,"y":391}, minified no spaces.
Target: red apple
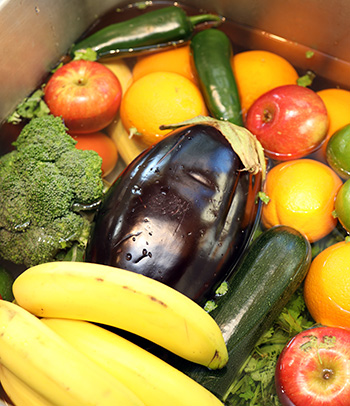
{"x":314,"y":368}
{"x":85,"y":94}
{"x":290,"y":121}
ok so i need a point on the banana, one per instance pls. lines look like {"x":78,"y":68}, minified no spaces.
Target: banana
{"x":20,"y":393}
{"x":153,"y":380}
{"x":121,"y":70}
{"x":127,"y":147}
{"x":54,"y":369}
{"x":123,"y":299}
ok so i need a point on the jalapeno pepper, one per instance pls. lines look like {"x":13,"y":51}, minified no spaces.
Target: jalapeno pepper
{"x":212,"y":53}
{"x":156,"y":29}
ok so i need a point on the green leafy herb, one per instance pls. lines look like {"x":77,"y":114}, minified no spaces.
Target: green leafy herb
{"x":263,"y":197}
{"x":222,"y":289}
{"x":210,"y":306}
{"x":31,"y":107}
{"x":309,"y":54}
{"x":87,"y":54}
{"x":57,"y":67}
{"x":306,"y":80}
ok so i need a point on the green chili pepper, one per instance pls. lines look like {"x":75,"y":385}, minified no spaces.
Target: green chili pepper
{"x":212,"y":54}
{"x":156,"y":29}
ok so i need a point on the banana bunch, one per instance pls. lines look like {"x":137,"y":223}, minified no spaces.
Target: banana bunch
{"x":46,"y":364}
{"x":52,"y":353}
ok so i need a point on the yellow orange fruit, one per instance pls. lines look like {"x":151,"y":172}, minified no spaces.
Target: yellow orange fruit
{"x":176,"y":60}
{"x":302,"y":194}
{"x":257,"y":72}
{"x":337,"y":102}
{"x":327,"y":286}
{"x":159,"y":98}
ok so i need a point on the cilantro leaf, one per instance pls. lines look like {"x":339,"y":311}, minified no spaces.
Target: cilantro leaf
{"x":87,"y":54}
{"x":31,"y":107}
{"x":306,"y":80}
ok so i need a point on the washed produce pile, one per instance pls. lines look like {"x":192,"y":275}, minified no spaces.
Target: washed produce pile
{"x":178,"y":217}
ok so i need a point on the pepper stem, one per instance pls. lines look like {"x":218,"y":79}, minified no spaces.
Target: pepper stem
{"x":203,"y":18}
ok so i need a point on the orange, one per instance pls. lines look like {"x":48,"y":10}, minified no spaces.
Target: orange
{"x":103,"y":145}
{"x":302,"y":194}
{"x":337,"y":102}
{"x":176,"y":60}
{"x":257,"y":72}
{"x":327,"y":286}
{"x":156,"y":99}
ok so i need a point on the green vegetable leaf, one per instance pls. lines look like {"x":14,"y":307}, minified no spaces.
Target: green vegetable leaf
{"x":306,"y":80}
{"x":210,"y":306}
{"x":263,"y":197}
{"x":222,"y":289}
{"x":31,"y":107}
{"x":87,"y":54}
{"x":309,"y":54}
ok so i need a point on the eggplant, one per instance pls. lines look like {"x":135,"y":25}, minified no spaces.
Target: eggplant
{"x":181,"y":213}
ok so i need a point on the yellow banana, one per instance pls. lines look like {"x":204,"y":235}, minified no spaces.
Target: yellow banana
{"x":20,"y":393}
{"x":127,"y":147}
{"x":121,"y":70}
{"x":154,"y":381}
{"x":54,"y":369}
{"x":123,"y":299}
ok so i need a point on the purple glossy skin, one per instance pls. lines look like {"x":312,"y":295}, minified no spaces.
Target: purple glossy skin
{"x":181,"y":213}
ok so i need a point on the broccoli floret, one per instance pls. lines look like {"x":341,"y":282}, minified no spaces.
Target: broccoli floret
{"x":79,"y":166}
{"x":41,"y":183}
{"x":41,"y":244}
{"x":44,"y":139}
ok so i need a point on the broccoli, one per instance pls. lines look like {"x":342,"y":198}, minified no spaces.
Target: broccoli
{"x":42,"y":182}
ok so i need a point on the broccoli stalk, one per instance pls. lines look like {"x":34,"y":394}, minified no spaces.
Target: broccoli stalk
{"x":41,"y":183}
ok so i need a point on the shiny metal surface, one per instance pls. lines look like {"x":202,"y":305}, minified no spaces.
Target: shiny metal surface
{"x":34,"y":34}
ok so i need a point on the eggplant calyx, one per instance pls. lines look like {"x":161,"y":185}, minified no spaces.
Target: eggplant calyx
{"x":242,"y":141}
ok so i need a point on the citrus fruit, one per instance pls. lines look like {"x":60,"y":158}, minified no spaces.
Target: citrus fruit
{"x":103,"y":145}
{"x":327,"y":286}
{"x":159,"y":98}
{"x":337,"y":102}
{"x":302,"y":194}
{"x":342,"y":205}
{"x":257,"y":72}
{"x":176,"y":60}
{"x":338,"y":152}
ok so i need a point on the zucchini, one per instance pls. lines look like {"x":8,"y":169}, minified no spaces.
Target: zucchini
{"x":271,"y":270}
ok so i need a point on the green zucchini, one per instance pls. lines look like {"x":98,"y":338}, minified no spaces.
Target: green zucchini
{"x":272,"y":269}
